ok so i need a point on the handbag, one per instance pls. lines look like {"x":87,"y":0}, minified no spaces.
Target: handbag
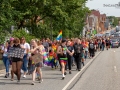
{"x":37,"y":58}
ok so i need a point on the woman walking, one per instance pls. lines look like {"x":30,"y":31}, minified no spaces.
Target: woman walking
{"x":36,"y":67}
{"x":6,"y":62}
{"x":17,"y":62}
{"x":62,"y":51}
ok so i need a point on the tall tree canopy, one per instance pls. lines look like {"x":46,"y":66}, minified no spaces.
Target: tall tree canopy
{"x":44,"y":18}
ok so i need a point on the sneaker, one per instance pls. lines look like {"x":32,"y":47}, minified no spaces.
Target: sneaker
{"x":24,"y":76}
{"x":79,"y":69}
{"x":41,"y":80}
{"x":12,"y":79}
{"x":38,"y":78}
{"x":7,"y":75}
{"x":18,"y":81}
{"x":63,"y":78}
{"x":70,"y":72}
{"x":32,"y":83}
{"x":65,"y":73}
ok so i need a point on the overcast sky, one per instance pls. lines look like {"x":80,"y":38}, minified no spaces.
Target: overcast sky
{"x":99,"y":5}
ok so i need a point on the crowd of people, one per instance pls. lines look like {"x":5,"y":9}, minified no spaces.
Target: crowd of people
{"x":61,"y":54}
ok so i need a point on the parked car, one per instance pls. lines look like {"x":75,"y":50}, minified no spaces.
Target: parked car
{"x":114,"y":42}
{"x":107,"y":34}
{"x":116,"y":34}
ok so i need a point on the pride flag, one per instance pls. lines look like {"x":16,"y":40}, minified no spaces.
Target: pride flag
{"x":59,"y":37}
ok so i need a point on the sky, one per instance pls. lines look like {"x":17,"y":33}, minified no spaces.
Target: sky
{"x":108,"y":10}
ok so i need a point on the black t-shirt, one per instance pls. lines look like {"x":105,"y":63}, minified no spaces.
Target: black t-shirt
{"x":70,"y":48}
{"x":91,"y":46}
{"x":78,"y":48}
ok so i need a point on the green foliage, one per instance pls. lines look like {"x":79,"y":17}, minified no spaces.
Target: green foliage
{"x":66,"y":15}
{"x":113,"y":20}
{"x":23,"y":33}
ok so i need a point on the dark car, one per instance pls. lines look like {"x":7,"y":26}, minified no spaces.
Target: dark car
{"x":114,"y":42}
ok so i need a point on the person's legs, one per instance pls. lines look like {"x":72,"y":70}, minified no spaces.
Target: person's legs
{"x":69,"y":64}
{"x":14,"y":68}
{"x":79,"y":63}
{"x":19,"y":65}
{"x":63,"y":69}
{"x":86,"y":54}
{"x":24,"y":66}
{"x":6,"y":64}
{"x":39,"y":71}
{"x":76,"y":62}
{"x":33,"y":76}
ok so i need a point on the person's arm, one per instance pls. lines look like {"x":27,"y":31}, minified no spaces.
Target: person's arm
{"x":72,"y":52}
{"x":2,"y":50}
{"x":33,"y":50}
{"x":59,"y":50}
{"x":28,"y":48}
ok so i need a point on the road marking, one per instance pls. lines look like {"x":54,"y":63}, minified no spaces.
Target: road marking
{"x":67,"y":85}
{"x":115,"y":69}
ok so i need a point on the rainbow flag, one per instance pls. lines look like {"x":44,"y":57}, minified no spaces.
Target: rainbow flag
{"x":59,"y":37}
{"x":54,"y":47}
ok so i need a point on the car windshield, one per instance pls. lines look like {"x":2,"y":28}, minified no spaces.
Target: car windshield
{"x":113,"y":40}
{"x":116,"y":35}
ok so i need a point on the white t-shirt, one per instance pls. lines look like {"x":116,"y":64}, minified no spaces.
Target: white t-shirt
{"x":26,"y":46}
{"x":5,"y":51}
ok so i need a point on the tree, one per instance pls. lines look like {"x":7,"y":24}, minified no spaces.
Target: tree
{"x":23,"y":33}
{"x":44,"y":18}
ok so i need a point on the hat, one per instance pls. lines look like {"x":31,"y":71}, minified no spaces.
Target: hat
{"x":11,"y":39}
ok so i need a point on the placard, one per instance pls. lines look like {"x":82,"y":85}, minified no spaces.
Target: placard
{"x":37,"y":58}
{"x":16,"y":52}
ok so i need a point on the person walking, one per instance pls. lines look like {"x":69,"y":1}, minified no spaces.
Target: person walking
{"x":5,"y":58}
{"x":92,"y":49}
{"x":35,"y":49}
{"x":69,"y":55}
{"x":62,"y":51}
{"x":26,"y":46}
{"x":17,"y":62}
{"x":78,"y":48}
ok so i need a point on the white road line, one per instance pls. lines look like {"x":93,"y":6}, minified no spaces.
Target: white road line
{"x":115,"y":69}
{"x":67,"y":85}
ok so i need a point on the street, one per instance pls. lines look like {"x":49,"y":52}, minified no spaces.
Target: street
{"x":102,"y":74}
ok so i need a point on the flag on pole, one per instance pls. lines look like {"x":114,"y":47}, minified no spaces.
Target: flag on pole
{"x":59,"y":37}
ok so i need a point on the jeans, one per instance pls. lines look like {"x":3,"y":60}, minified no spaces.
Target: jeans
{"x":25,"y":63}
{"x":6,"y":63}
{"x":103,"y":47}
{"x":86,"y":54}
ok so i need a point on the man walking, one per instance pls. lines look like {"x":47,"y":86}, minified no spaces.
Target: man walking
{"x":78,"y":48}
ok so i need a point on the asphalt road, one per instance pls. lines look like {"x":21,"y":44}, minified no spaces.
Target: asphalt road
{"x":52,"y":80}
{"x":102,"y":74}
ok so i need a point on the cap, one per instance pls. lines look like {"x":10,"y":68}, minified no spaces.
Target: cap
{"x":11,"y":39}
